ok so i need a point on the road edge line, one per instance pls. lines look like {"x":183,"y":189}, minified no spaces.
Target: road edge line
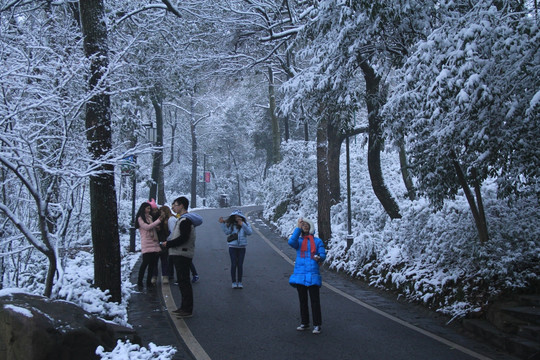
{"x":187,"y":336}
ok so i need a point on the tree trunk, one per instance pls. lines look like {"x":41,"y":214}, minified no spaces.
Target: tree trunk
{"x":477,"y":211}
{"x":155,"y":174}
{"x":484,"y":237}
{"x":290,"y":75}
{"x":405,"y":174}
{"x":286,"y":127}
{"x":304,"y":121}
{"x":157,"y":190}
{"x":194,"y":162}
{"x":173,"y":138}
{"x":105,"y":237}
{"x":51,"y":272}
{"x":373,"y":101}
{"x":237,"y":171}
{"x":335,"y":139}
{"x":323,"y":189}
{"x":276,"y":138}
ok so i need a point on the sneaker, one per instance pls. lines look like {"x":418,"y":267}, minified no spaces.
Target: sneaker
{"x":195,"y":279}
{"x":239,"y":286}
{"x":183,"y":314}
{"x":153,"y":280}
{"x":302,"y":327}
{"x":177,"y":311}
{"x":317,"y":330}
{"x":164,"y":279}
{"x":235,"y":285}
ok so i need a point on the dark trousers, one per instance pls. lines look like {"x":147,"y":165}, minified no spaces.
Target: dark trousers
{"x":171,"y":269}
{"x":182,"y":264}
{"x":315,"y":304}
{"x":149,"y":260}
{"x":164,"y":258}
{"x":237,"y":262}
{"x":193,"y":270}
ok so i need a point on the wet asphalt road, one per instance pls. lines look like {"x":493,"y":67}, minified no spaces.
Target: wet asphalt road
{"x":259,"y":321}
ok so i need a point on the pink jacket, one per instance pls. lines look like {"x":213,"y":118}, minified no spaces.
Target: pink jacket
{"x":149,"y":238}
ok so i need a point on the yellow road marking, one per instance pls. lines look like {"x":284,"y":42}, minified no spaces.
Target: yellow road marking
{"x":181,"y":326}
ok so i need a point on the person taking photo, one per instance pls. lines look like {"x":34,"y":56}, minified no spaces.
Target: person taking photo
{"x":306,"y":277}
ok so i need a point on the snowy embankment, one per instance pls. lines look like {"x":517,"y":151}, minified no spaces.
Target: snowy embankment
{"x":430,"y":257}
{"x":75,"y":285}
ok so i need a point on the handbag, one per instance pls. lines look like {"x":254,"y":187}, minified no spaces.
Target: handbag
{"x":232,"y":237}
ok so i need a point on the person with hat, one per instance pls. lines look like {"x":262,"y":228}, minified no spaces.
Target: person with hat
{"x":237,"y":229}
{"x":306,"y":277}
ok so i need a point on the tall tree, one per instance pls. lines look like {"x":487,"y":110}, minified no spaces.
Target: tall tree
{"x":157,"y":189}
{"x":338,"y":57}
{"x":323,"y":182}
{"x":194,"y":149}
{"x":104,"y":215}
{"x":468,"y":100}
{"x":276,"y":135}
{"x":374,"y":99}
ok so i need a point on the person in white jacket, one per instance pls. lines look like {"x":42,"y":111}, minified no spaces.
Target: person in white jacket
{"x":181,"y":246}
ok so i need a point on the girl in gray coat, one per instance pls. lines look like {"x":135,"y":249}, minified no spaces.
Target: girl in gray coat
{"x":237,"y":226}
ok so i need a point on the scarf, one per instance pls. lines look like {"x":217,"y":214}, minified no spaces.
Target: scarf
{"x":303,"y":250}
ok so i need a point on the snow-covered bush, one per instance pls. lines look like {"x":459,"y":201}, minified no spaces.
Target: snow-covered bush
{"x":290,"y":191}
{"x":131,"y":351}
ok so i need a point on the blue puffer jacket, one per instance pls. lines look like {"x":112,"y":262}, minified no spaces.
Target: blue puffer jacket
{"x":243,"y":232}
{"x":306,"y":270}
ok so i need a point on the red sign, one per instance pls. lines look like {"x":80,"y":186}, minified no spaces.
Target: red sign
{"x":207,"y":176}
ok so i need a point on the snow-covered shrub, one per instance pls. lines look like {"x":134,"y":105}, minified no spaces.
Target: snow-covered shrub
{"x":75,"y":285}
{"x":290,"y":187}
{"x":128,"y":350}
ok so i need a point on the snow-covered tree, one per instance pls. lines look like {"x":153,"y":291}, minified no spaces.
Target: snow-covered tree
{"x":43,"y":160}
{"x":348,"y":49}
{"x":468,"y":101}
{"x":103,"y":204}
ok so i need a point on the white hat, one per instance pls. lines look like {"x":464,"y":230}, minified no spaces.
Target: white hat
{"x":311,"y":226}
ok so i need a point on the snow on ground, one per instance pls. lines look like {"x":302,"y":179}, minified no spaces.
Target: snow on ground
{"x":131,"y":351}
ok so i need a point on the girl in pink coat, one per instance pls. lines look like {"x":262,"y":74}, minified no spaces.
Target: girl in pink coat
{"x":149,"y":242}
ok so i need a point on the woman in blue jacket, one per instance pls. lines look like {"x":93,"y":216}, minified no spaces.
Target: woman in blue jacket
{"x":237,"y":226}
{"x":306,"y":277}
